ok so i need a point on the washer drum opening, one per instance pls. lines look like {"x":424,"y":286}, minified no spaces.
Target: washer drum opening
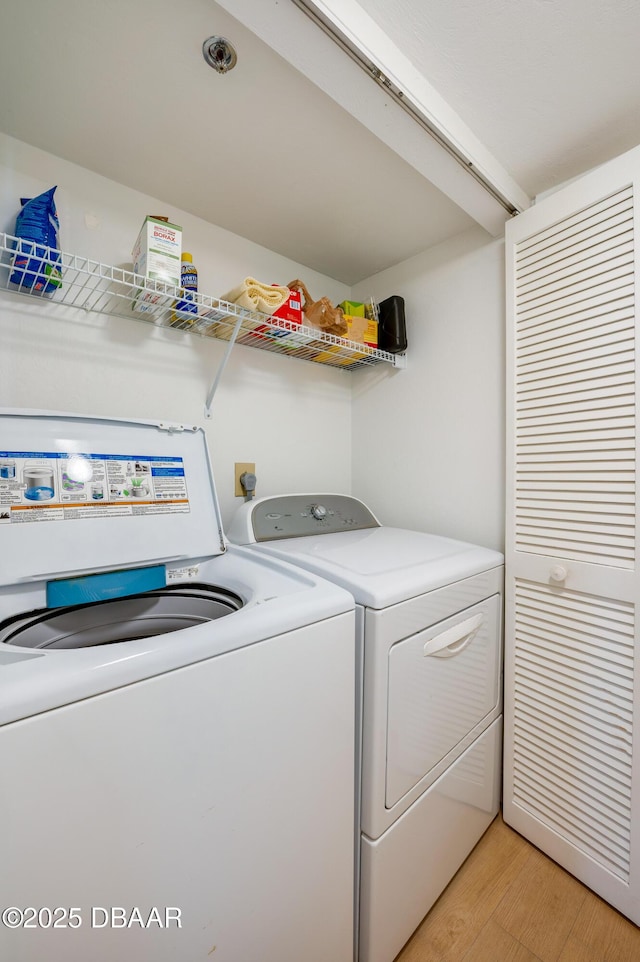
{"x":144,"y":615}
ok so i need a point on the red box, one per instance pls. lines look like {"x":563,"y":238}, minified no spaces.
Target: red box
{"x":292,"y":309}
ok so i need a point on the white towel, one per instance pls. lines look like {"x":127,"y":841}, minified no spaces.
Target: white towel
{"x":254,"y":296}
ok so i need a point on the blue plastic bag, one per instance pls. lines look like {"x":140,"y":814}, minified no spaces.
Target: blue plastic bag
{"x":36,"y":265}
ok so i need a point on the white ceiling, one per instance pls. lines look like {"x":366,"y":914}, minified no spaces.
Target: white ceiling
{"x":551,"y":89}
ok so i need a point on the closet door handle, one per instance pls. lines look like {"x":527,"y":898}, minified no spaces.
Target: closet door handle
{"x":558,"y":573}
{"x":454,"y":640}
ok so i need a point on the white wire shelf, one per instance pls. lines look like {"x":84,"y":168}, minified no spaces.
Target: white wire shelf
{"x":94,"y":286}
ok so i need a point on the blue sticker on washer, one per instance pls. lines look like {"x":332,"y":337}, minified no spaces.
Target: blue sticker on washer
{"x":105,"y":586}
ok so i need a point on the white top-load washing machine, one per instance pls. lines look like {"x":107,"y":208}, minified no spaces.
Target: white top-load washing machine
{"x":429,"y":622}
{"x":176,"y":715}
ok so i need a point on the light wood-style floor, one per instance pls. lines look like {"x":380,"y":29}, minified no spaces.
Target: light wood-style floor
{"x":510,"y":903}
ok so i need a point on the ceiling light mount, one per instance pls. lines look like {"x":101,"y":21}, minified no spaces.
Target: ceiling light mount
{"x":219,"y":54}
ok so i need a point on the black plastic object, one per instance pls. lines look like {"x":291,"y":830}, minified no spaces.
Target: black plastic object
{"x":392,"y":332}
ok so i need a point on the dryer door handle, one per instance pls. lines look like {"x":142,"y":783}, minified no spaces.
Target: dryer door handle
{"x":454,"y":640}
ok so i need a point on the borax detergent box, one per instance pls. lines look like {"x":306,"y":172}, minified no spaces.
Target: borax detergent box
{"x":156,"y":255}
{"x":158,"y":251}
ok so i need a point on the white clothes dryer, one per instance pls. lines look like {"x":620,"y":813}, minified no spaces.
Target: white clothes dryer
{"x":176,"y":714}
{"x":429,"y":629}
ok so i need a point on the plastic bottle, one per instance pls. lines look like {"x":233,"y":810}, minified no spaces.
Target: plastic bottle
{"x":184,"y":311}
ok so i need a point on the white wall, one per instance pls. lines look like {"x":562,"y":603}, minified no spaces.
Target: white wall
{"x":292,"y":418}
{"x":428,"y":442}
{"x":423,"y":446}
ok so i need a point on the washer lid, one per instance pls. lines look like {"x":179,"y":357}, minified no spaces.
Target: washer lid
{"x":81,"y":494}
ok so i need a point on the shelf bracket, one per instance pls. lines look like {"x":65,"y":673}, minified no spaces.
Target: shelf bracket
{"x":223,"y":364}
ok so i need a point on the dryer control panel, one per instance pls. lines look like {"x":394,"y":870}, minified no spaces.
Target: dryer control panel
{"x":301,"y":515}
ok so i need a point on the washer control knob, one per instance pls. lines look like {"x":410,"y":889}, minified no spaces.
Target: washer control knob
{"x":319,"y":512}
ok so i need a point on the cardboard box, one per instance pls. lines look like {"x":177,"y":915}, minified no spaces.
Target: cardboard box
{"x":352,"y":308}
{"x":156,"y":255}
{"x":264,"y":335}
{"x":153,"y":302}
{"x":332,"y":355}
{"x":361,"y":330}
{"x":157,"y":252}
{"x":292,"y":310}
{"x":253,"y":332}
{"x":222,"y":324}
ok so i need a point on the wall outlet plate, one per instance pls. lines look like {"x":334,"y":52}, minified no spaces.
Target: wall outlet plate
{"x":239,"y":468}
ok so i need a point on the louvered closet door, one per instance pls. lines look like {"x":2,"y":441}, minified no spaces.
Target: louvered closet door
{"x":571,"y":691}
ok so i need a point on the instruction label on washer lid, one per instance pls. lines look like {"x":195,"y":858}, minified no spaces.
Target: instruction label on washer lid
{"x":58,"y":486}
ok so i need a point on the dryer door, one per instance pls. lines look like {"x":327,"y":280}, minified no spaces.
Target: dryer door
{"x":442,"y":683}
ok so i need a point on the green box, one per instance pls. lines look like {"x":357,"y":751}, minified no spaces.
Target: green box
{"x":352,"y":308}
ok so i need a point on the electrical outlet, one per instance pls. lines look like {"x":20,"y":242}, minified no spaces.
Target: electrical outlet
{"x":239,"y":468}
